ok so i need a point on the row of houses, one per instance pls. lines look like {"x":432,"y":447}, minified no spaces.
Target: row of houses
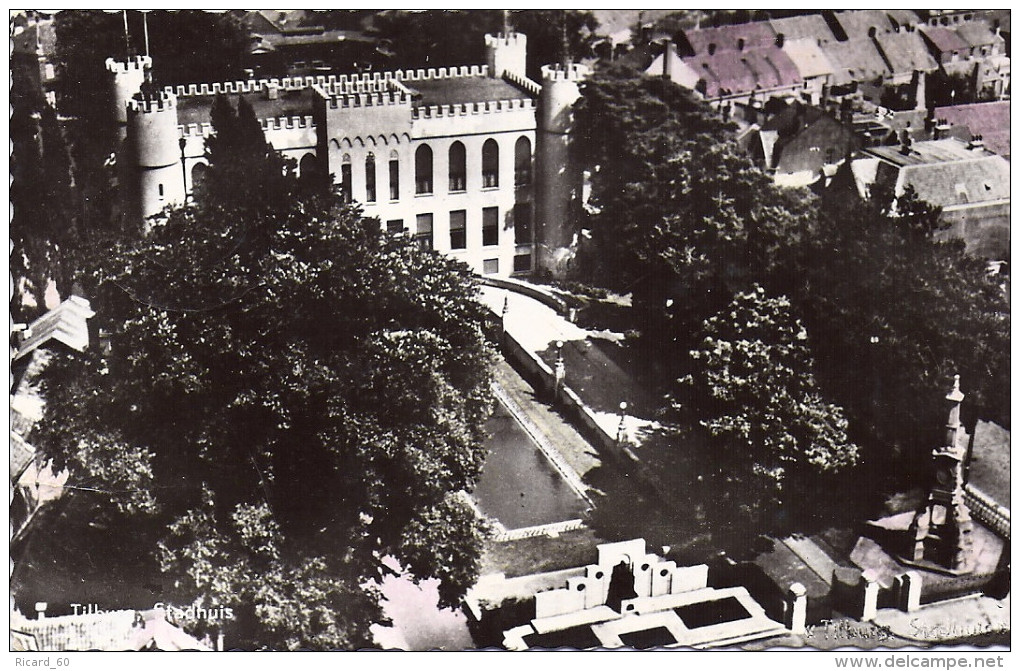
{"x":832,"y":54}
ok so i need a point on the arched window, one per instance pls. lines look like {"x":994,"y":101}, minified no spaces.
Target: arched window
{"x":423,"y":169}
{"x":394,"y":175}
{"x":370,"y":178}
{"x":490,"y":163}
{"x":458,"y":167}
{"x":522,"y":162}
{"x":345,"y":177}
{"x":307,"y":167}
{"x":198,"y":175}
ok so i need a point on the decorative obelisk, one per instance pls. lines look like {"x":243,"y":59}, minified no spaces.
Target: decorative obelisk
{"x":941,"y":529}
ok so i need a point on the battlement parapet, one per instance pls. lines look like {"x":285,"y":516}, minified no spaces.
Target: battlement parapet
{"x":132,"y":63}
{"x":510,"y":39}
{"x":195,"y":130}
{"x":532,"y":87}
{"x":146,"y":104}
{"x":462,"y":109}
{"x":441,"y":73}
{"x":284,"y":123}
{"x":380,"y":99}
{"x":558,"y":73}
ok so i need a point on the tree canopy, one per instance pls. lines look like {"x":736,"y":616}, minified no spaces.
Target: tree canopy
{"x":283,"y":399}
{"x":678,"y":216}
{"x":754,"y":390}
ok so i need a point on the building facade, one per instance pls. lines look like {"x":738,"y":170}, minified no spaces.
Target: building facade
{"x":472,"y":161}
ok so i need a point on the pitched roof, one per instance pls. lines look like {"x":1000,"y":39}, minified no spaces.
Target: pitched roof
{"x":807,"y":56}
{"x":854,"y":60}
{"x":728,"y":38}
{"x":808,"y":27}
{"x":989,"y":120}
{"x":67,"y":323}
{"x":944,"y":39}
{"x":945,"y":172}
{"x":113,"y":631}
{"x":858,"y":23}
{"x":906,"y":52}
{"x":977,"y":34}
{"x":738,"y":72}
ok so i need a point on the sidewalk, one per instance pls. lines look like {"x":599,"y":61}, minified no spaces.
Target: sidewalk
{"x":600,"y":382}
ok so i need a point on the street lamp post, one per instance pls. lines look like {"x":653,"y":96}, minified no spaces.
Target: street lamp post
{"x":621,"y":430}
{"x":560,"y":371}
{"x":182,"y":143}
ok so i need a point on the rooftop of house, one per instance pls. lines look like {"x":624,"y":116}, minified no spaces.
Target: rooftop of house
{"x":737,"y":37}
{"x":198,"y":109}
{"x":808,"y":57}
{"x":906,"y":52}
{"x":932,"y":152}
{"x":978,"y":34}
{"x":944,"y":172}
{"x":740,"y":72}
{"x":990,"y":120}
{"x":945,"y":40}
{"x":112,"y":631}
{"x":808,"y":27}
{"x":66,"y":324}
{"x":855,"y":60}
{"x":858,"y":23}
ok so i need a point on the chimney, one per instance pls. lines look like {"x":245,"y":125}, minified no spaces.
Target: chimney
{"x":941,"y":130}
{"x":977,"y":143}
{"x":711,"y":48}
{"x":667,"y":59}
{"x":780,"y":40}
{"x":40,"y":609}
{"x":272,"y":91}
{"x":905,"y":143}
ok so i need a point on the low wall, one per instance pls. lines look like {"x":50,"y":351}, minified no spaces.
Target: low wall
{"x":540,"y":294}
{"x":985,"y":509}
{"x":536,"y":371}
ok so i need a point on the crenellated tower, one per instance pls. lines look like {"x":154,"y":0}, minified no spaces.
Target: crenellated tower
{"x":153,"y":138}
{"x":506,"y":52}
{"x":127,"y":77}
{"x":559,"y":181}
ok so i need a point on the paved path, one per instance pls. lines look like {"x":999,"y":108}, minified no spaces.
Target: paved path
{"x":596,"y":378}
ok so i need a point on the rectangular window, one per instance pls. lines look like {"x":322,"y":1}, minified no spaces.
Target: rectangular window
{"x":395,"y":226}
{"x":160,"y":190}
{"x":370,"y":181}
{"x":522,"y":223}
{"x":394,"y":179}
{"x":423,"y":234}
{"x":490,"y":266}
{"x":345,"y":182}
{"x":490,"y":226}
{"x":522,"y":263}
{"x":458,"y":229}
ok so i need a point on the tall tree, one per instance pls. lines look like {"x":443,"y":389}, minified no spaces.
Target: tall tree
{"x":420,"y":39}
{"x":312,"y":393}
{"x":753,"y":389}
{"x":896,"y":313}
{"x":678,"y":216}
